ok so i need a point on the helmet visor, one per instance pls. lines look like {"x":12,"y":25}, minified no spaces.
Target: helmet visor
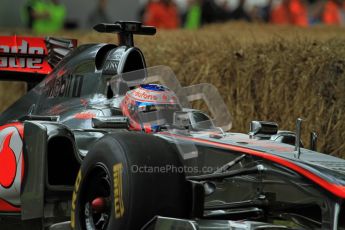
{"x":157,"y":113}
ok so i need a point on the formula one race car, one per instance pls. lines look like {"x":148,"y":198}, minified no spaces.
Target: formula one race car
{"x":101,"y":142}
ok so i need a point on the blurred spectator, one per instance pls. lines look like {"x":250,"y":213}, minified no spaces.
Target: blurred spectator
{"x":280,"y":14}
{"x":48,"y":16}
{"x":331,"y":14}
{"x":240,"y":13}
{"x":290,"y":12}
{"x":193,"y":17}
{"x":315,"y":11}
{"x":263,"y":13}
{"x":182,"y":7}
{"x":142,"y":9}
{"x":99,"y":14}
{"x":162,"y":14}
{"x":28,"y":13}
{"x":266,"y":11}
{"x":298,"y":13}
{"x":211,"y":12}
{"x":256,"y":14}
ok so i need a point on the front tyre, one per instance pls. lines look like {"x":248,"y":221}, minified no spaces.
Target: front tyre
{"x":125,"y":180}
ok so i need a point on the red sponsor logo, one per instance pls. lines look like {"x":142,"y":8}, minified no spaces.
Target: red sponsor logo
{"x":145,"y":96}
{"x":21,"y":62}
{"x":11,"y":166}
{"x":24,"y":54}
{"x":8,"y":163}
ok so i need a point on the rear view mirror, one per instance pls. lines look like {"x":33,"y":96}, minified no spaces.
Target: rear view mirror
{"x":116,"y":122}
{"x":313,"y":141}
{"x":181,"y":119}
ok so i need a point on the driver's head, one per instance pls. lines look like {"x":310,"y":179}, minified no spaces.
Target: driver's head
{"x":149,"y":107}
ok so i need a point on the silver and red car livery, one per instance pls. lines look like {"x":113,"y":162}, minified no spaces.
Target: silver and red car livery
{"x":150,"y":106}
{"x":28,"y":59}
{"x":12,"y":166}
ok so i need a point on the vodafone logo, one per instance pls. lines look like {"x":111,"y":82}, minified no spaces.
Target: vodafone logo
{"x":141,"y":94}
{"x":11,"y":61}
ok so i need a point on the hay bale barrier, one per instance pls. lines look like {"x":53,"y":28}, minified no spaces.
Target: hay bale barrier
{"x":263,"y":72}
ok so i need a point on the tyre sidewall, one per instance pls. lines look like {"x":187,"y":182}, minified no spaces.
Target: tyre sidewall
{"x":115,"y":165}
{"x":143,"y":195}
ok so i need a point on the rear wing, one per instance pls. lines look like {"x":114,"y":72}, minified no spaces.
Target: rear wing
{"x":30,"y":59}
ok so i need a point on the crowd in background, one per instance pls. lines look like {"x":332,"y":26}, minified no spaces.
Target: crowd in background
{"x":48,"y":16}
{"x":44,"y":17}
{"x":167,"y":14}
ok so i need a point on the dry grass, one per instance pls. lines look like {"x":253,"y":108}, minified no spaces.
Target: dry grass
{"x":263,"y":72}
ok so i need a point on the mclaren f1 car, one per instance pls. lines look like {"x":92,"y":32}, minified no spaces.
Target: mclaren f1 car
{"x":102,"y":142}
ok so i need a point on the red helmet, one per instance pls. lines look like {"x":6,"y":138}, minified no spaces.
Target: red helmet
{"x":150,"y":106}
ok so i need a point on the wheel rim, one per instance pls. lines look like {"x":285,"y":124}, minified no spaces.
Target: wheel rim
{"x":95,"y":199}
